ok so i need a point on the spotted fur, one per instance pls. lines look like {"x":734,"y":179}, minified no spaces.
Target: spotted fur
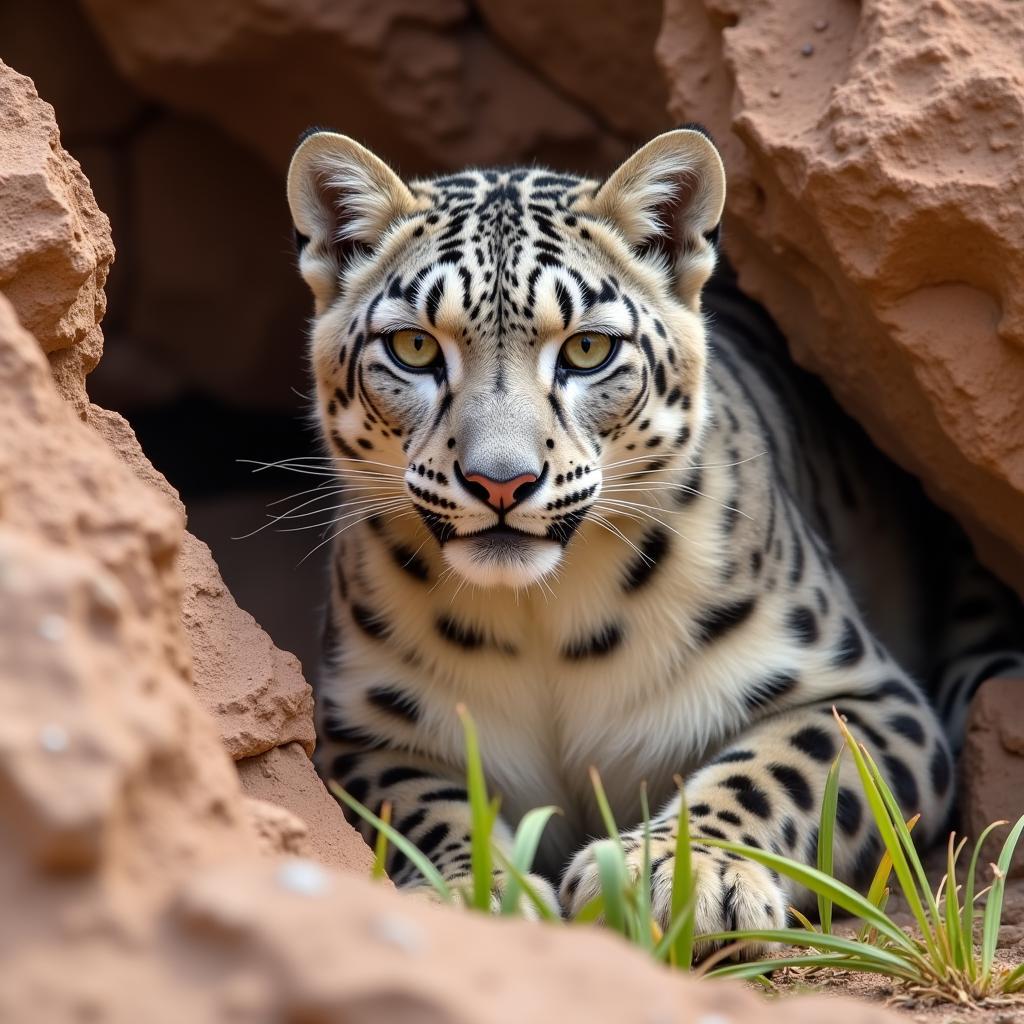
{"x":705,"y":556}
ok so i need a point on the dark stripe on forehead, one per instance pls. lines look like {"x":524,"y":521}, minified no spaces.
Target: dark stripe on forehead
{"x":434,"y":299}
{"x":564,"y":303}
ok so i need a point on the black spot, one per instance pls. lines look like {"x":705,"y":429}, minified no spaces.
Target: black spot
{"x":394,"y":702}
{"x":789,"y":833}
{"x":368,"y":622}
{"x":939,"y":769}
{"x":907,"y":727}
{"x":448,"y":793}
{"x":729,"y":817}
{"x":410,"y":562}
{"x":717,"y":622}
{"x":903,"y":783}
{"x":434,"y":299}
{"x":794,"y":783}
{"x":699,"y":811}
{"x":606,"y":640}
{"x":710,"y":832}
{"x":851,"y":646}
{"x":459,"y":634}
{"x":432,"y":838}
{"x":848,"y":810}
{"x":769,"y":690}
{"x":901,"y":691}
{"x":802,"y":623}
{"x":749,"y":796}
{"x":796,"y":571}
{"x":731,"y":756}
{"x":345,"y":764}
{"x":653,"y":548}
{"x":815,"y":743}
{"x":869,"y":731}
{"x":357,"y":789}
{"x":403,"y":773}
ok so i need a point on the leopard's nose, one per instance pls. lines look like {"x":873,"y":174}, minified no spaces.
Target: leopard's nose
{"x":501,"y":495}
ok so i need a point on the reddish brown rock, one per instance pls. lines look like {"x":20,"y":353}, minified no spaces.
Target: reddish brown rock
{"x":285,"y":778}
{"x":418,"y":81}
{"x":876,"y":164}
{"x":55,"y":246}
{"x":254,"y":691}
{"x":992,"y":763}
{"x":596,"y":51}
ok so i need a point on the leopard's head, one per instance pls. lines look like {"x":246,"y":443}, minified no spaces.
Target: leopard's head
{"x":509,"y":342}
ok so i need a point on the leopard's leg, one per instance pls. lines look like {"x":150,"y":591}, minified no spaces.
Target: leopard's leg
{"x":429,"y":807}
{"x":765,"y":789}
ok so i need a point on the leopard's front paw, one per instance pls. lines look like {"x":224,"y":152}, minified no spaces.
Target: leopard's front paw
{"x":462,"y":887}
{"x":731,"y":894}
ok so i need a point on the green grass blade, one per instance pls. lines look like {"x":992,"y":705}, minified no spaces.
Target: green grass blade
{"x":819,"y":883}
{"x":1014,"y":980}
{"x":884,"y":824}
{"x":818,"y":942}
{"x":668,"y":942}
{"x":380,"y":846}
{"x":682,"y":888}
{"x":994,"y":901}
{"x":969,"y":912}
{"x":910,"y":851}
{"x":525,"y":886}
{"x":951,"y":916}
{"x":524,"y":849}
{"x":611,"y":870}
{"x":803,"y":920}
{"x":604,"y":806}
{"x":422,"y":863}
{"x":760,"y":967}
{"x":592,"y":910}
{"x":480,"y":811}
{"x":826,"y":839}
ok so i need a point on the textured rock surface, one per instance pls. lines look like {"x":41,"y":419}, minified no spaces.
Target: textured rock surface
{"x":992,"y":764}
{"x":94,"y":491}
{"x":284,"y":777}
{"x":596,"y":51}
{"x":55,"y":247}
{"x":419,"y":81}
{"x":876,"y":161}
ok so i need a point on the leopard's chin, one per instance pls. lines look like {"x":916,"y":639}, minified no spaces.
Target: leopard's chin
{"x":502,"y":557}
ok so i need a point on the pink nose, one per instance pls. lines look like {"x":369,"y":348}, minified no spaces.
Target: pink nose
{"x":501,"y":493}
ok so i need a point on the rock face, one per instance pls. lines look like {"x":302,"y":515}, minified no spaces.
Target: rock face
{"x":55,"y":247}
{"x":87,"y":489}
{"x":876,"y":163}
{"x":992,"y":763}
{"x":418,"y":80}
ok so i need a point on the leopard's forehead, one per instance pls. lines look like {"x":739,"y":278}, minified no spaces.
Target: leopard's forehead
{"x":490,"y":236}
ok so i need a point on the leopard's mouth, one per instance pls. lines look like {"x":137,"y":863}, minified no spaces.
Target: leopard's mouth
{"x":502,"y":555}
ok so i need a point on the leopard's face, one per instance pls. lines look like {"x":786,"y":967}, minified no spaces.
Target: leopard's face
{"x":503,"y":345}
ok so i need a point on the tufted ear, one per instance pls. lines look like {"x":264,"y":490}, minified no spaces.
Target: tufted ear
{"x":342,"y":199}
{"x":667,"y":198}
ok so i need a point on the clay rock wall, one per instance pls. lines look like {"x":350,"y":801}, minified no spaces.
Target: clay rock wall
{"x":876,"y":161}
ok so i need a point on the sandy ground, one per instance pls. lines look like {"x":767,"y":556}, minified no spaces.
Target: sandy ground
{"x":915,"y":1006}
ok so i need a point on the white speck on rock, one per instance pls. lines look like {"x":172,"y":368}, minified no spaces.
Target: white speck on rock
{"x":52,"y":628}
{"x":302,"y":877}
{"x":400,"y":932}
{"x":54,"y":738}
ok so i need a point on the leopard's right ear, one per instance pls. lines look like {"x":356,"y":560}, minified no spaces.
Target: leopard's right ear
{"x":342,"y":199}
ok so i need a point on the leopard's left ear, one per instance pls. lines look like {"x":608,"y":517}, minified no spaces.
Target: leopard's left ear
{"x":342,"y":200}
{"x":667,"y":198}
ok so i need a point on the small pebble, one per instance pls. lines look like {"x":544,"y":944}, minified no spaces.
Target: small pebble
{"x":303,"y":877}
{"x":775,"y":92}
{"x":54,"y":738}
{"x":807,"y":49}
{"x":400,"y":932}
{"x":52,"y":628}
{"x":820,"y":25}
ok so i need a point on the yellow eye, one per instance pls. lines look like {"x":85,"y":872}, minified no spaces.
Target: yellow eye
{"x":587,"y":350}
{"x":415,"y":349}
